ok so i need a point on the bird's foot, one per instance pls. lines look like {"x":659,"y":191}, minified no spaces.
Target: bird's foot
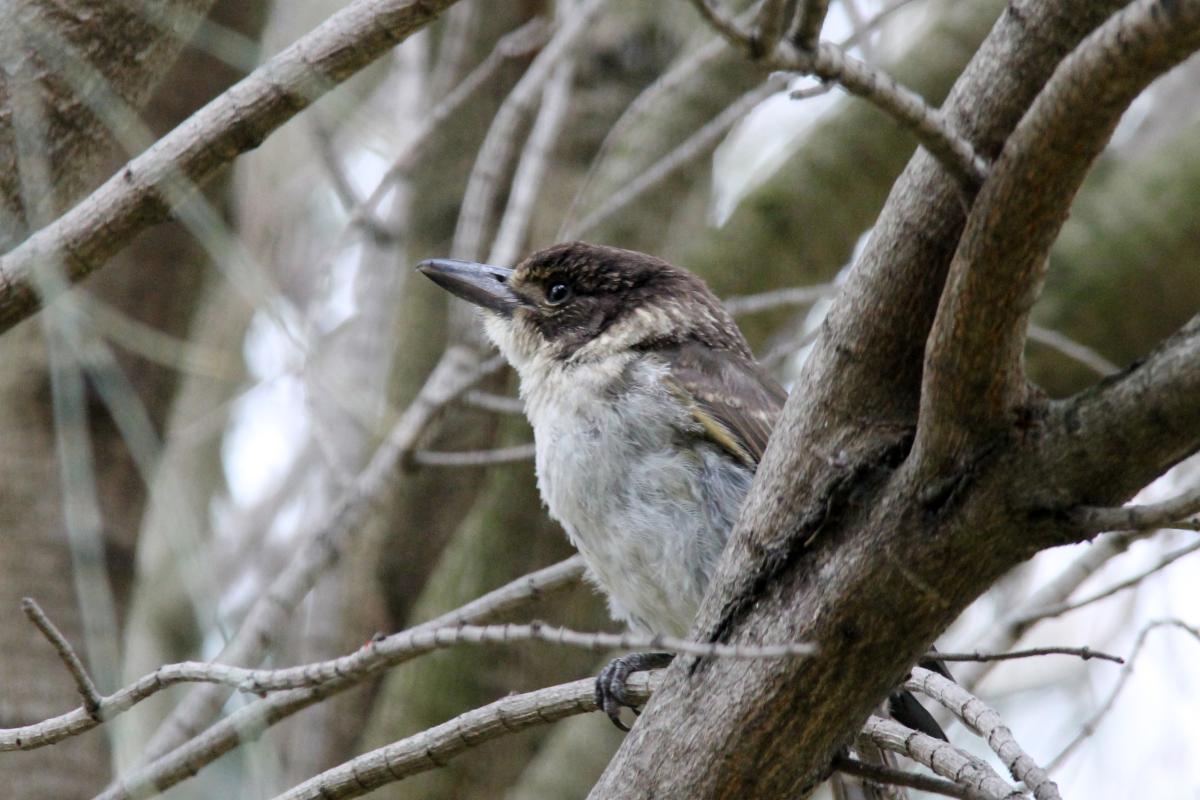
{"x":610,"y":683}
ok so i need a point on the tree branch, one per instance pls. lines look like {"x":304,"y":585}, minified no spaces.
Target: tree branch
{"x":92,"y":700}
{"x":249,"y":722}
{"x":980,"y":781}
{"x":1086,"y":653}
{"x":457,"y":371}
{"x":435,"y":747}
{"x":1090,"y":726}
{"x":1139,"y":518}
{"x":974,"y":384}
{"x":898,"y":777}
{"x":1058,"y":609}
{"x":985,"y":722}
{"x":1146,"y":419}
{"x":829,"y":535}
{"x":236,"y":121}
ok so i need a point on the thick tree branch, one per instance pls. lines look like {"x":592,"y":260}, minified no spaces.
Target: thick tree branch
{"x":236,"y":121}
{"x":806,"y":563}
{"x":974,"y":382}
{"x":1146,"y":419}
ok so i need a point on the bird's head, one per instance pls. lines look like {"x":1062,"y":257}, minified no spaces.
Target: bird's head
{"x":579,"y":302}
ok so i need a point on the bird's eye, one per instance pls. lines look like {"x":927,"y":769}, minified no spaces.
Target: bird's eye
{"x":558,"y":293}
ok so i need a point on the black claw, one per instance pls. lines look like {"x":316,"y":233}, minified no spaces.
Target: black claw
{"x":610,"y":683}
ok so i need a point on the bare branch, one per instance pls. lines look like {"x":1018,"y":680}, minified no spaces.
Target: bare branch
{"x":527,"y":182}
{"x":1072,"y":349}
{"x":898,"y":777}
{"x":1153,"y":404}
{"x":698,"y":144}
{"x":1062,"y":608}
{"x":497,"y":147}
{"x":387,"y":651}
{"x":249,"y":722}
{"x":457,"y":371}
{"x":236,"y":121}
{"x":83,"y":682}
{"x":520,"y":42}
{"x":723,"y":23}
{"x":777,"y":298}
{"x":436,"y":746}
{"x":985,"y":722}
{"x":652,"y":97}
{"x":1009,"y":631}
{"x":1086,"y":653}
{"x":771,"y":23}
{"x":978,"y":779}
{"x":1139,"y":518}
{"x":473,"y":458}
{"x":928,"y":124}
{"x":830,"y":63}
{"x":974,"y":382}
{"x":810,"y":22}
{"x":498,"y":403}
{"x":1094,"y":721}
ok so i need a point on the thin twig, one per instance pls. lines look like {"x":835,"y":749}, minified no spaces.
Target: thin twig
{"x":830,"y":63}
{"x":498,"y":403}
{"x":723,"y":23}
{"x":527,"y":181}
{"x":521,"y":42}
{"x":458,"y":370}
{"x":741,"y":305}
{"x":388,"y":651}
{"x":888,"y":775}
{"x":92,"y":700}
{"x":1086,"y":653}
{"x":986,"y":722}
{"x":1059,"y":609}
{"x":1139,"y":518}
{"x":1093,"y":722}
{"x":473,"y":458}
{"x":1009,"y":631}
{"x":1072,"y":349}
{"x":648,"y":102}
{"x":491,"y":163}
{"x":249,"y":722}
{"x":978,"y":779}
{"x":771,"y":22}
{"x":692,"y":148}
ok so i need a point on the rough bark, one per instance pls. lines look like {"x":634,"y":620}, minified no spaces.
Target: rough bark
{"x":841,"y":536}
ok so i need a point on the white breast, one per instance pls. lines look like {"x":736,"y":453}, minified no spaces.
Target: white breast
{"x":647,"y":503}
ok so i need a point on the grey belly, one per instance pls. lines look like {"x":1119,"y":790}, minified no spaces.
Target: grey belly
{"x":650,"y":518}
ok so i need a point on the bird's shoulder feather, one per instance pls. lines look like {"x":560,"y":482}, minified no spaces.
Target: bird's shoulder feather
{"x":732,"y":398}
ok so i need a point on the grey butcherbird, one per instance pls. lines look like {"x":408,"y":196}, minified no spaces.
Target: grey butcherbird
{"x":650,"y":416}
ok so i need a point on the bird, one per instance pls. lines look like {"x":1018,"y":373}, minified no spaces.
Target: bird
{"x":650,"y":415}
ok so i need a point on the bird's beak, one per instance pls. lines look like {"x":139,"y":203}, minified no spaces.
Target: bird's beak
{"x":482,"y":284}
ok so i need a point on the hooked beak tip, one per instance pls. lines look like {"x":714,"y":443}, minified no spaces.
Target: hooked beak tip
{"x":481,"y":284}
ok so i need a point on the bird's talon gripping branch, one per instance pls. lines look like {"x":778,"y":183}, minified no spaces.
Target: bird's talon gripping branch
{"x":610,"y":683}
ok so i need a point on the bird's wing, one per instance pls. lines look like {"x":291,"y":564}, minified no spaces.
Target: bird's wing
{"x":735,"y":401}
